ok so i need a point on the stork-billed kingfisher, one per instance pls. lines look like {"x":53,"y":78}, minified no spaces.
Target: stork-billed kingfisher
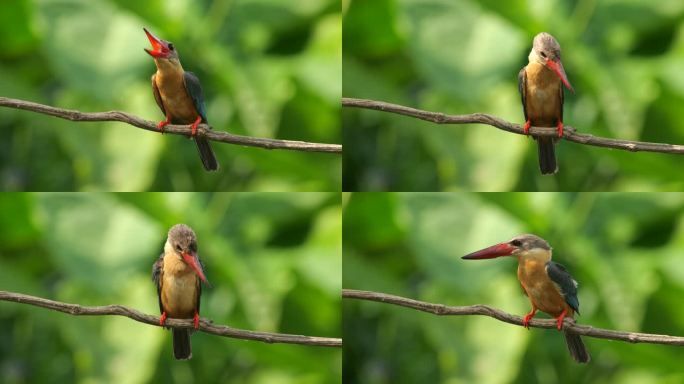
{"x":541,"y":87}
{"x":177,"y":274}
{"x":547,"y":284}
{"x":179,"y":95}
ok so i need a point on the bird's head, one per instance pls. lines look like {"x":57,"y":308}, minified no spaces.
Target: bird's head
{"x":161,"y":49}
{"x":546,"y":51}
{"x":183,"y":244}
{"x":517,"y":246}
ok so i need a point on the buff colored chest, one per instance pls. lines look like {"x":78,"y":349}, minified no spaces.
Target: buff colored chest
{"x":541,"y":290}
{"x":543,"y":96}
{"x":180,"y":288}
{"x":170,"y":82}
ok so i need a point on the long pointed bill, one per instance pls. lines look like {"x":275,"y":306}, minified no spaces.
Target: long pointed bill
{"x":193,"y":261}
{"x":159,"y":47}
{"x":557,"y":66}
{"x":498,"y":250}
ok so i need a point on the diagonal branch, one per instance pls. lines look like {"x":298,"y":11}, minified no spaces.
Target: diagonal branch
{"x":204,"y":129}
{"x":485,"y":310}
{"x":205,"y":325}
{"x":570,"y":133}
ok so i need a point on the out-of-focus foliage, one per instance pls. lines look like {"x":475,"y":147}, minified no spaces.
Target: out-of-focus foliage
{"x":624,"y":249}
{"x":273,"y":260}
{"x":269,"y":68}
{"x":624,"y":59}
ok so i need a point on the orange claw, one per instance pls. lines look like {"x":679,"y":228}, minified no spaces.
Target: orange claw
{"x":560,"y":129}
{"x":194,"y":126}
{"x":526,"y":127}
{"x":195,"y":320}
{"x":528,"y":317}
{"x":162,"y":124}
{"x":559,"y":320}
{"x":162,"y":319}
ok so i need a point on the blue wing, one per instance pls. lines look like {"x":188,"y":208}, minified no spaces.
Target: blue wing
{"x":522,"y":88}
{"x":157,"y":271}
{"x":194,"y":89}
{"x":567,"y":285}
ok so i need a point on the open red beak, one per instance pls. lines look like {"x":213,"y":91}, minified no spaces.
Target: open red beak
{"x":557,"y":66}
{"x":193,"y":261}
{"x":159,"y":47}
{"x":503,"y":249}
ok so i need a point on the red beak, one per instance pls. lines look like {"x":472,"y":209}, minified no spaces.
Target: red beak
{"x":193,"y":261}
{"x":498,"y":250}
{"x":557,"y":66}
{"x":159,"y":49}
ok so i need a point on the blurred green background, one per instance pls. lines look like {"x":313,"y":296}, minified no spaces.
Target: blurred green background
{"x":623,"y":57}
{"x":625,"y":250}
{"x":269,"y":68}
{"x":273,"y":259}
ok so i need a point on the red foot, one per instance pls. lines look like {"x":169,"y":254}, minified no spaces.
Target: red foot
{"x":195,"y":320}
{"x":194,"y":126}
{"x":528,"y":317}
{"x":162,"y":319}
{"x":526,"y":127}
{"x":162,"y":124}
{"x":559,"y":320}
{"x":560,"y":129}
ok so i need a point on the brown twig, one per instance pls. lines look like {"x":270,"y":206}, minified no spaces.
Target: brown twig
{"x":203,"y":129}
{"x":485,"y":310}
{"x":205,"y":325}
{"x":570,"y":133}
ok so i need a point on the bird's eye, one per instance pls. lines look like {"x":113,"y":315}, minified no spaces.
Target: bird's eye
{"x":543,"y":54}
{"x":178,"y":248}
{"x":171,"y":46}
{"x":516,"y":243}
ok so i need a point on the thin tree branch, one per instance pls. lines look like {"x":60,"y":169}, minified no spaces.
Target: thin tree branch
{"x":570,"y":133}
{"x":205,"y":325}
{"x":485,"y":310}
{"x":203,"y":129}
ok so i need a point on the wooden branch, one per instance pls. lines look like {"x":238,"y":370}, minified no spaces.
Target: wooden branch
{"x":570,"y":133}
{"x":205,"y":325}
{"x":203,"y":129}
{"x":485,"y":310}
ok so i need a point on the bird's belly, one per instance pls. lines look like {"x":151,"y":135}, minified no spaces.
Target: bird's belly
{"x":543,"y":106}
{"x":179,"y":295}
{"x":178,"y":104}
{"x":546,"y":298}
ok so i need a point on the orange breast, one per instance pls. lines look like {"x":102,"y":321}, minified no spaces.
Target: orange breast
{"x":543,"y":96}
{"x":541,"y":291}
{"x":180,"y":289}
{"x":176,"y":100}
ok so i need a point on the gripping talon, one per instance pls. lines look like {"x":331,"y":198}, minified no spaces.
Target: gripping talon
{"x":162,"y":319}
{"x":526,"y":127}
{"x":164,"y":123}
{"x":560,"y":129}
{"x":194,"y":126}
{"x":195,"y":320}
{"x":559,"y":320}
{"x":528,"y":317}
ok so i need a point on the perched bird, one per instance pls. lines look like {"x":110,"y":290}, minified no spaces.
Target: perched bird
{"x":540,"y":85}
{"x":548,"y":284}
{"x":179,"y":95}
{"x":177,"y":274}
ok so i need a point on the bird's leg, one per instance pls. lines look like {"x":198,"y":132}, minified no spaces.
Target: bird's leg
{"x":528,"y":317}
{"x":164,"y":123}
{"x":194,"y":126}
{"x":526,"y":127}
{"x":196,"y":319}
{"x":162,"y":319}
{"x":559,"y":319}
{"x":560,"y":128}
